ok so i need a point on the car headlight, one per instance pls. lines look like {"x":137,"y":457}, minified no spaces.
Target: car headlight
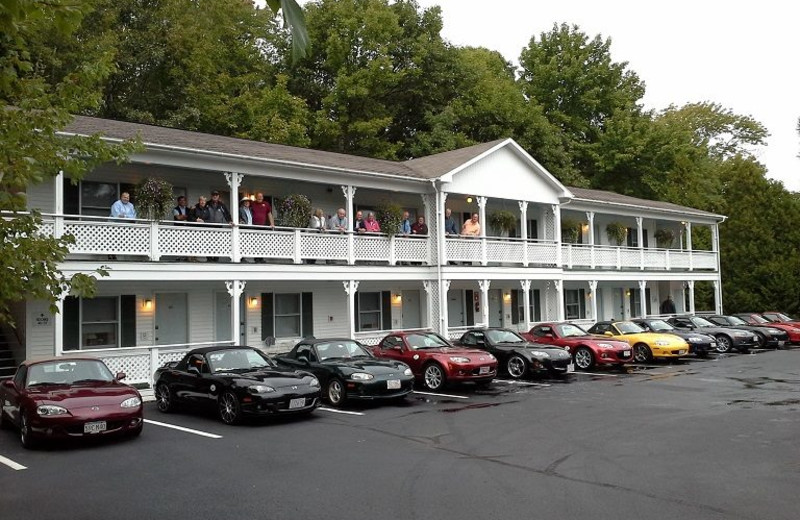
{"x":131,"y":402}
{"x":491,"y":357}
{"x":361,"y":376}
{"x":51,"y":409}
{"x":314,"y":383}
{"x":458,"y":359}
{"x":605,"y":345}
{"x":407,"y":372}
{"x":539,"y":354}
{"x":773,"y":331}
{"x":694,"y":339}
{"x":661,"y":343}
{"x":741,"y":334}
{"x":260,"y":389}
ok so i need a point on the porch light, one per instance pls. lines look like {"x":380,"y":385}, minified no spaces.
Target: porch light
{"x":506,"y":297}
{"x":252,"y":302}
{"x":469,"y":200}
{"x":397,"y":298}
{"x":147,"y":304}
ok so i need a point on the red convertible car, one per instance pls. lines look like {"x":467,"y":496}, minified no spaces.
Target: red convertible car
{"x":753,"y":318}
{"x":587,"y":350}
{"x":434,"y":361}
{"x":69,"y":398}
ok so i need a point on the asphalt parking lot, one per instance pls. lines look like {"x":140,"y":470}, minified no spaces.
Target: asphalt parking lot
{"x":702,"y":439}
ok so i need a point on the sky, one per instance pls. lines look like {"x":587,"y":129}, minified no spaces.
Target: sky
{"x":742,"y":55}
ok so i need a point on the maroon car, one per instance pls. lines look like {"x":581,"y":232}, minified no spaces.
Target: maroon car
{"x":771,"y":319}
{"x":587,"y":350}
{"x":69,"y":398}
{"x":435,"y":361}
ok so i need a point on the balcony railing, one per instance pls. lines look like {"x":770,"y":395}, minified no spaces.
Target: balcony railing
{"x":584,"y":256}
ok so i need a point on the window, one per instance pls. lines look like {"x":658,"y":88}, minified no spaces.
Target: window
{"x":574,"y":304}
{"x":633,"y":237}
{"x":518,"y":306}
{"x":533,"y":229}
{"x":287,"y":315}
{"x":542,"y":331}
{"x":635,"y":302}
{"x":102,"y":322}
{"x":373,"y":311}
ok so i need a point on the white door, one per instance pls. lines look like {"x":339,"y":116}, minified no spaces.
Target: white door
{"x":412,"y":316}
{"x":455,"y":309}
{"x":222,"y":316}
{"x":495,"y":307}
{"x":172,"y":324}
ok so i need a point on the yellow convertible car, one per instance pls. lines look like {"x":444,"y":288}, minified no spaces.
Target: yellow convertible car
{"x":646,"y":345}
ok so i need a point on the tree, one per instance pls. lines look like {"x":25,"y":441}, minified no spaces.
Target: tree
{"x":32,"y":112}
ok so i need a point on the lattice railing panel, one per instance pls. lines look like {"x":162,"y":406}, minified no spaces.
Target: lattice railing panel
{"x":581,"y":256}
{"x":704,"y":260}
{"x":630,"y":258}
{"x":328,"y":246}
{"x":189,"y":240}
{"x":136,"y":365}
{"x":655,"y":259}
{"x":370,"y":338}
{"x":109,"y":237}
{"x":504,"y":251}
{"x":372,"y":248}
{"x":411,"y":249}
{"x":463,"y":249}
{"x":549,"y":225}
{"x":541,"y":253}
{"x":679,"y":260}
{"x":170,"y":355}
{"x":605,"y":257}
{"x":262,"y":243}
{"x":47,"y":229}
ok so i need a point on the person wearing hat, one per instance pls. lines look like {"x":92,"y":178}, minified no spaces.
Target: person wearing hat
{"x":245,"y":214}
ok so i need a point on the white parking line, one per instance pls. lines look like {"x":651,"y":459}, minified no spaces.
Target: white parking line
{"x":334,"y":410}
{"x":523,"y":383}
{"x":182,"y":429}
{"x":442,"y":395}
{"x":11,"y":464}
{"x":597,"y":374}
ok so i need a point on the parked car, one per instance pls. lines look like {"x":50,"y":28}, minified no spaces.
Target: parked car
{"x":237,"y":381}
{"x":517,"y":356}
{"x":69,"y":397}
{"x":646,"y":345}
{"x":435,"y":361}
{"x":768,"y":336}
{"x":699,"y":344}
{"x":780,"y":317}
{"x":586,"y":350}
{"x":727,"y":338}
{"x":347,"y":370}
{"x":754,"y":318}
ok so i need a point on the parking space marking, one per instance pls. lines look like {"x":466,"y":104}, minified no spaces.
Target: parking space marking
{"x":597,"y":374}
{"x":442,"y":395}
{"x":523,"y":383}
{"x":334,"y":410}
{"x":11,"y":464}
{"x":182,"y":429}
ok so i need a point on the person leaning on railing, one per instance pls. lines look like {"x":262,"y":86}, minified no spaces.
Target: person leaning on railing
{"x":370,"y":225}
{"x":471,"y":228}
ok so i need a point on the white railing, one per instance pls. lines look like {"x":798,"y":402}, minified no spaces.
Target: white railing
{"x":500,"y":250}
{"x":584,"y":256}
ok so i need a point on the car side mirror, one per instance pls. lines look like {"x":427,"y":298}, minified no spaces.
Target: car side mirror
{"x":9,"y":383}
{"x":193,"y":370}
{"x":608,"y":334}
{"x":120,"y":376}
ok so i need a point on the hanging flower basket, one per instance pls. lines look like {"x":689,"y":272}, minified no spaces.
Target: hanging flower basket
{"x":664,"y":237}
{"x":570,"y":231}
{"x":153,"y":198}
{"x":390,"y":217}
{"x":503,"y":221}
{"x":617,"y":232}
{"x":294,"y":211}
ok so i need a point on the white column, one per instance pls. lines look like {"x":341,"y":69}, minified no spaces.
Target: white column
{"x":715,"y":237}
{"x":234,"y":181}
{"x":642,"y":298}
{"x":235,"y":290}
{"x":640,"y":241}
{"x":717,"y":296}
{"x":560,"y":296}
{"x":58,"y":326}
{"x":441,"y":239}
{"x":689,"y":244}
{"x":690,"y":286}
{"x":443,"y":307}
{"x":349,"y":193}
{"x":557,"y":232}
{"x":58,"y":207}
{"x":484,"y":285}
{"x":482,"y":214}
{"x":593,"y":298}
{"x":590,"y":220}
{"x":526,"y":299}
{"x":350,"y":287}
{"x":523,"y":231}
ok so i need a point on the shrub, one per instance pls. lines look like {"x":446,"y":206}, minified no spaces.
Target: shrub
{"x":570,"y":230}
{"x":294,"y":211}
{"x":617,"y":232}
{"x":390,"y":217}
{"x":503,"y":221}
{"x":664,"y":237}
{"x":153,"y":198}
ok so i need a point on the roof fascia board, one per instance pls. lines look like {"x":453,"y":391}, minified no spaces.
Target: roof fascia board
{"x":639,"y":211}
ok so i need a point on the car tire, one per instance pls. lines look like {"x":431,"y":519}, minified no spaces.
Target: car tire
{"x":164,"y":399}
{"x":335,"y":392}
{"x":702,"y":355}
{"x":433,"y":377}
{"x":230,"y":411}
{"x":724,"y":344}
{"x":583,"y":358}
{"x":25,"y":433}
{"x":762,"y":340}
{"x":642,"y":353}
{"x":516,"y":366}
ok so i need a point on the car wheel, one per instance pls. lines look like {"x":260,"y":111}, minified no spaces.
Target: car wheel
{"x":336,"y":392}
{"x":25,"y":434}
{"x":229,"y":409}
{"x":762,"y":340}
{"x":724,"y":344}
{"x":584,"y":359}
{"x":433,"y":377}
{"x":703,"y":354}
{"x":164,"y":401}
{"x":642,"y":353}
{"x":516,"y":367}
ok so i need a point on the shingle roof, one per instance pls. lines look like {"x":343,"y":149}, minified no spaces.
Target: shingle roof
{"x":610,"y":197}
{"x":436,"y":165}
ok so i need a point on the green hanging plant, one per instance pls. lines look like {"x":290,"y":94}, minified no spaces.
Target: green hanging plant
{"x":570,"y":230}
{"x":617,"y":232}
{"x":154,"y":198}
{"x":664,"y":237}
{"x":390,"y":217}
{"x":503,"y":221}
{"x":294,"y":211}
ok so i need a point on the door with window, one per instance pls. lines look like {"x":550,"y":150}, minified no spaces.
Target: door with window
{"x":455,"y":308}
{"x":412,"y":314}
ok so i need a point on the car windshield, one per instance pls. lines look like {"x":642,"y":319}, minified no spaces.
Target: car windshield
{"x":628,"y":327}
{"x":660,"y":325}
{"x":240,"y":359}
{"x":759,"y":319}
{"x":701,"y":322}
{"x":423,"y":341}
{"x":504,"y":336}
{"x":68,"y":372}
{"x":340,"y":350}
{"x":733,"y":320}
{"x":781,"y":317}
{"x":568,"y":330}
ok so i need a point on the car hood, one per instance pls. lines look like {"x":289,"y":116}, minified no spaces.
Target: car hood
{"x":593,"y":340}
{"x":96,"y":393}
{"x":453,"y":351}
{"x":371,"y":366}
{"x":531,"y":346}
{"x":273,"y":376}
{"x":650,"y":338}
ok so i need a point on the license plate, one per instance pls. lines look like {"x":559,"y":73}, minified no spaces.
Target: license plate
{"x":393,"y":384}
{"x":94,"y":427}
{"x":680,"y":352}
{"x":626,"y":353}
{"x":713,"y":344}
{"x":297,"y":403}
{"x":781,"y":343}
{"x":484,"y":370}
{"x":571,"y":368}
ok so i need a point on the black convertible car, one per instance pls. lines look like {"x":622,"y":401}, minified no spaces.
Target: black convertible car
{"x":516,"y":355}
{"x":238,"y":381}
{"x":347,"y":370}
{"x":727,"y":338}
{"x":700,"y":344}
{"x":768,"y":337}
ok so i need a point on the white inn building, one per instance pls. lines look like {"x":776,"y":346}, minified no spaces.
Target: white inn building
{"x":162,"y":296}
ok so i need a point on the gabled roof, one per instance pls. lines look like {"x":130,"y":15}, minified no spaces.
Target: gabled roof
{"x":610,"y":197}
{"x":436,"y":165}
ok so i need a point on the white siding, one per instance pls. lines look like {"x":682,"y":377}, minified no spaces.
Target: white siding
{"x":42,"y":196}
{"x":201,"y":315}
{"x":39,"y":338}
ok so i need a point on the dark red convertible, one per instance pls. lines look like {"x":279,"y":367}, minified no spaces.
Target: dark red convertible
{"x":69,"y":398}
{"x":587,"y":350}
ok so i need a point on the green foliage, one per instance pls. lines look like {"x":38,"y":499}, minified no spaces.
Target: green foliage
{"x":570,"y":230}
{"x":503,"y":221}
{"x":664,"y":237}
{"x":154,"y":198}
{"x":389,"y":216}
{"x":616,"y":232}
{"x":294,"y":19}
{"x":294,"y":211}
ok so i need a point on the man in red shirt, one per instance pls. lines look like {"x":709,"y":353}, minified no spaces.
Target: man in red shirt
{"x":262,"y":211}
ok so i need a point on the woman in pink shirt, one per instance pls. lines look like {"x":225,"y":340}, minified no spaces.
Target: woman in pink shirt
{"x":370,"y":224}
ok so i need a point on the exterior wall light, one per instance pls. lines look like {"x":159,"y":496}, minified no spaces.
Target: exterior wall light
{"x":147,"y":304}
{"x":252,"y":302}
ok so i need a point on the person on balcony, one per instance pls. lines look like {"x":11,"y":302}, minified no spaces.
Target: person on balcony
{"x":370,"y":225}
{"x":405,"y":225}
{"x":262,"y":211}
{"x":450,"y":226}
{"x":245,"y":213}
{"x":317,"y":223}
{"x":338,"y":222}
{"x":357,"y":224}
{"x":201,"y":213}
{"x":180,"y":213}
{"x":123,"y":207}
{"x":219,"y":213}
{"x":472,"y":227}
{"x":419,"y":227}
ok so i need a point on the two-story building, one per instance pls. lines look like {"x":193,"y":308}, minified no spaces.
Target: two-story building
{"x":271,"y":286}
